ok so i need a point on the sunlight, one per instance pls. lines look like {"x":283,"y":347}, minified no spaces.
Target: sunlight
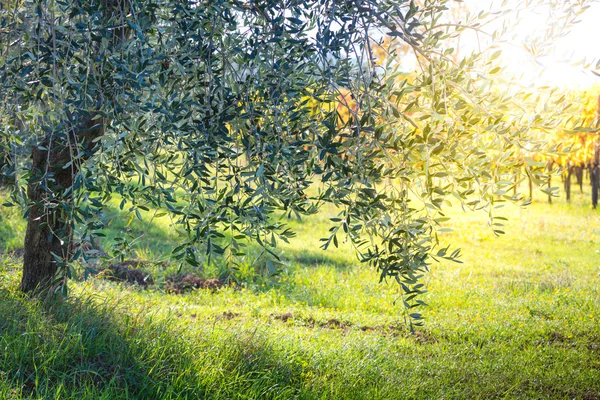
{"x":299,"y":199}
{"x":563,"y":64}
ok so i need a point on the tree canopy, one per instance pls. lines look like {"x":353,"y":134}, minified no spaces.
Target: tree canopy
{"x":232,"y":115}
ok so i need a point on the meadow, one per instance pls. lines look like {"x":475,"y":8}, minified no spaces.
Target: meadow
{"x":519,"y":318}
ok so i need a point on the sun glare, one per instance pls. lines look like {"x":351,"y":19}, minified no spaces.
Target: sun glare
{"x":564,"y":63}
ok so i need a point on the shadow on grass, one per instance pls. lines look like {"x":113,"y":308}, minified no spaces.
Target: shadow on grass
{"x":313,"y":258}
{"x":158,"y":240}
{"x":84,"y":348}
{"x":146,"y":234}
{"x":68,"y":347}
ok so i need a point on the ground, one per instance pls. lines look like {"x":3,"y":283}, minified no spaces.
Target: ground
{"x":519,"y":318}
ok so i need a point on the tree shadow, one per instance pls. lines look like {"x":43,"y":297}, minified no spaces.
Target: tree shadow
{"x":84,"y":347}
{"x":72,"y":345}
{"x":146,"y":234}
{"x":313,"y":258}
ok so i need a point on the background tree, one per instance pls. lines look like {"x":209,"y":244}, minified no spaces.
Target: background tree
{"x":573,"y":143}
{"x":218,"y":114}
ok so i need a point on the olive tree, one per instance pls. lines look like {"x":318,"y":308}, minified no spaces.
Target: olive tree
{"x":227,"y":115}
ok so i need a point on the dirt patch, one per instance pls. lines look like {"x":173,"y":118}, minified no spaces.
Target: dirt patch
{"x":127,"y":271}
{"x":591,"y":396}
{"x":391,"y":330}
{"x":227,"y":315}
{"x":283,"y":317}
{"x":312,"y":323}
{"x":555,"y":338}
{"x":179,"y":284}
{"x":421,"y":337}
{"x":16,"y":253}
{"x":92,"y":249}
{"x":594,"y":345}
{"x":335,"y":324}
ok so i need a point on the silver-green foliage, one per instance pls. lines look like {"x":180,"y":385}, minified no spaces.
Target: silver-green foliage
{"x":225,"y":116}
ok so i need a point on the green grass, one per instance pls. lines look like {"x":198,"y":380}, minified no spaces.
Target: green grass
{"x":12,"y":228}
{"x":518,"y":319}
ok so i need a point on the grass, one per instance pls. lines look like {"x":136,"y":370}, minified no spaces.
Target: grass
{"x":518,"y":319}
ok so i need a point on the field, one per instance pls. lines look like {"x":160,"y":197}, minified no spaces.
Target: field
{"x":519,"y":318}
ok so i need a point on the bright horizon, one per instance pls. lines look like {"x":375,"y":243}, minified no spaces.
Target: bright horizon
{"x":555,"y":69}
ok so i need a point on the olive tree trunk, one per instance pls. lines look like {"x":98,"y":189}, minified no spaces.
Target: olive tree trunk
{"x":567,"y":176}
{"x":595,"y":167}
{"x":595,"y":173}
{"x":595,"y":183}
{"x":579,"y":175}
{"x":49,"y":230}
{"x":55,"y":164}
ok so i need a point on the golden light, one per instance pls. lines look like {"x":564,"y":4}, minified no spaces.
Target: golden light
{"x":562,"y":62}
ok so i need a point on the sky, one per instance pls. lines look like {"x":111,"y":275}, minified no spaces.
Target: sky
{"x":582,"y":41}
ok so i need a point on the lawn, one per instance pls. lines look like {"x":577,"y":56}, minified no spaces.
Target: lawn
{"x":519,"y":318}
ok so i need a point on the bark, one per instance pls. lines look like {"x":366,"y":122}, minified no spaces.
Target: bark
{"x":579,"y":175}
{"x":48,"y":236}
{"x":549,"y":170}
{"x":595,"y":172}
{"x":568,"y":182}
{"x":588,"y":170}
{"x":595,"y":181}
{"x":49,"y":230}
